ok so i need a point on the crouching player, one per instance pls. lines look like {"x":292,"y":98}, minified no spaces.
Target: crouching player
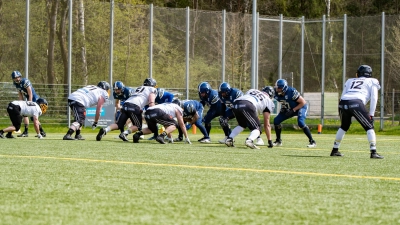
{"x":18,"y":109}
{"x":164,"y":114}
{"x":246,"y":110}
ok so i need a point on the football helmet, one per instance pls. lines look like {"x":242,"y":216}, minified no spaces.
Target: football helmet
{"x":364,"y":71}
{"x":105,"y":86}
{"x":281,"y":84}
{"x":150,"y":82}
{"x":16,"y":74}
{"x":190,"y":108}
{"x":204,"y":87}
{"x":177,"y":101}
{"x":42,"y":104}
{"x":160,"y":92}
{"x":224,"y":88}
{"x":269,"y":90}
{"x":118,"y":85}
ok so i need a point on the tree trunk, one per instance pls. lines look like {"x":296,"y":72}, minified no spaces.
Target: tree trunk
{"x":62,"y":38}
{"x":81,"y":17}
{"x":50,"y":49}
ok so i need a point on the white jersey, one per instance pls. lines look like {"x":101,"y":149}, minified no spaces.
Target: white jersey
{"x":364,"y":89}
{"x":259,"y":99}
{"x":168,"y":108}
{"x":141,"y":96}
{"x":89,"y":95}
{"x":28,"y":108}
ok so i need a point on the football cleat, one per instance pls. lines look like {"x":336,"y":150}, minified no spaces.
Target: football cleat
{"x":79,"y":137}
{"x":312,"y":144}
{"x":229,"y":142}
{"x":259,"y":141}
{"x":249,"y":143}
{"x":375,"y":155}
{"x":169,"y":140}
{"x":25,"y":134}
{"x":136,"y":138}
{"x":178,"y":139}
{"x":200,"y":139}
{"x":2,"y":135}
{"x":277,"y":143}
{"x":101,"y":134}
{"x":123,"y":137}
{"x":160,"y":139}
{"x":9,"y":135}
{"x":205,"y":140}
{"x":222,"y":141}
{"x":68,"y":137}
{"x":152,"y":138}
{"x":42,"y":133}
{"x":336,"y":153}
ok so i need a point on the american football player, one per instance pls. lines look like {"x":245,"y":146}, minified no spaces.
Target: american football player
{"x":19,"y":109}
{"x":164,"y":114}
{"x":28,"y":93}
{"x":132,"y":109}
{"x":356,"y":94}
{"x":209,"y":97}
{"x":246,"y":109}
{"x":192,"y":114}
{"x":292,"y":104}
{"x":83,"y":98}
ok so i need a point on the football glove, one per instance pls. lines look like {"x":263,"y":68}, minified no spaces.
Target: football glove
{"x":270,"y":144}
{"x":290,"y":113}
{"x":187,"y":141}
{"x":94,"y":125}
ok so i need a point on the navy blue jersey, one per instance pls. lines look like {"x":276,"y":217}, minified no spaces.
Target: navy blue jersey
{"x":127,"y":93}
{"x":228,"y":101}
{"x":22,"y":87}
{"x":163,"y":96}
{"x":288,"y":101}
{"x":212,"y":100}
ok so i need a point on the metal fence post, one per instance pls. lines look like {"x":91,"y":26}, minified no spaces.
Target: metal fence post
{"x":382,"y":70}
{"x":323,"y":69}
{"x":69,"y":58}
{"x":151,"y":41}
{"x":27,"y":40}
{"x":111,"y":40}
{"x":223,"y":44}
{"x":187,"y":49}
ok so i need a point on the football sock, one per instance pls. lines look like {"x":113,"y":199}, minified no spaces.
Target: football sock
{"x":371,"y":139}
{"x":254,"y":134}
{"x":70,"y":131}
{"x":339,"y":137}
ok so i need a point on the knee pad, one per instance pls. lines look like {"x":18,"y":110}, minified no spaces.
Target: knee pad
{"x":76,"y":125}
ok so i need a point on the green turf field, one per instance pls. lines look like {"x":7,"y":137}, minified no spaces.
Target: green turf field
{"x":113,"y":182}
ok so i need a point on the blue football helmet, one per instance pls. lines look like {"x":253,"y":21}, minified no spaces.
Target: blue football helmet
{"x":224,"y":88}
{"x":269,"y":90}
{"x":150,"y":82}
{"x":177,"y":101}
{"x":16,"y":74}
{"x":118,"y":85}
{"x":364,"y":71}
{"x":281,"y":84}
{"x":205,"y":87}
